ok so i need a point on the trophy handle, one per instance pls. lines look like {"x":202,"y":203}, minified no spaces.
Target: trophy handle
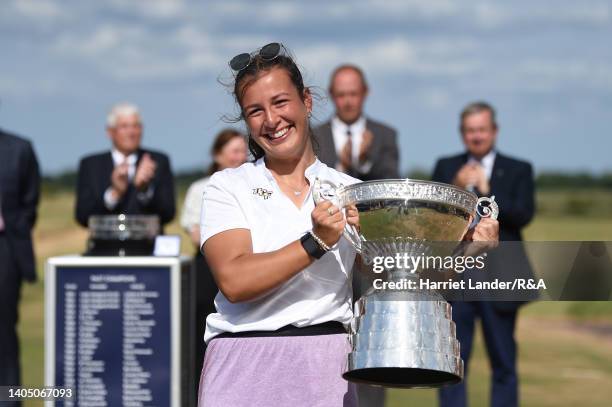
{"x":324,"y":190}
{"x":487,"y":207}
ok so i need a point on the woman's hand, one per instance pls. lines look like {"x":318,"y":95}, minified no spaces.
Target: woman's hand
{"x":352,"y":216}
{"x":487,"y":230}
{"x":328,"y":222}
{"x":485,"y":236}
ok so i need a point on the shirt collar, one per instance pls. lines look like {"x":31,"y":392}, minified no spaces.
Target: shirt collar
{"x":358,"y":127}
{"x":311,"y":171}
{"x":119,"y":158}
{"x":487,"y":160}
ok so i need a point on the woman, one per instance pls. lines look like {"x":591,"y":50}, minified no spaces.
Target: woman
{"x":282,"y":268}
{"x":229,"y":150}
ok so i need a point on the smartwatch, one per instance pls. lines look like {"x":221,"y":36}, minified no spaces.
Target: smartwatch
{"x":311,"y":246}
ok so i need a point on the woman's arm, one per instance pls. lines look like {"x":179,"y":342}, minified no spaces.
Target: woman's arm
{"x":243,"y":275}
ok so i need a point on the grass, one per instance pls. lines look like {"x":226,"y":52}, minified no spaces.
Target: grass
{"x":561,"y":362}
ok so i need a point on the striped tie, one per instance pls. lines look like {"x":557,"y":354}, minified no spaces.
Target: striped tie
{"x":349,"y":144}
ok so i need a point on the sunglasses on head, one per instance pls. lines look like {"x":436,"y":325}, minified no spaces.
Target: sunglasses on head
{"x":267,"y":53}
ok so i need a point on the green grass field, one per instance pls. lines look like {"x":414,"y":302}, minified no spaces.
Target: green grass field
{"x":565,"y":354}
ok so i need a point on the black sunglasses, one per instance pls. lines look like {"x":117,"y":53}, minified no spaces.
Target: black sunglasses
{"x":267,"y":53}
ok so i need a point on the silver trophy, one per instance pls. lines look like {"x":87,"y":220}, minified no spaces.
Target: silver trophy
{"x":404,"y":338}
{"x":122,"y":235}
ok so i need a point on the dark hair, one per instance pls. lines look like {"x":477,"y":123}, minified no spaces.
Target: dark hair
{"x":477,"y":107}
{"x":252,"y":73}
{"x":347,"y":67}
{"x":222,"y":138}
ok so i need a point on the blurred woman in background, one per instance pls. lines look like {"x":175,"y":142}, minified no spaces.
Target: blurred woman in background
{"x":229,"y":150}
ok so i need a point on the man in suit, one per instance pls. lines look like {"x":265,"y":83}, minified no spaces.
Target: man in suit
{"x":350,"y":142}
{"x":127,"y":179}
{"x":486,"y":172}
{"x":362,"y":148}
{"x":19,"y":193}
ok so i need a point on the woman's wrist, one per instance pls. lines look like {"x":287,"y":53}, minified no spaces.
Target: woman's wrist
{"x":313,"y":245}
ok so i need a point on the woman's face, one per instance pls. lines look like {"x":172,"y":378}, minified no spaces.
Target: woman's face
{"x":233,"y":154}
{"x":276,"y":115}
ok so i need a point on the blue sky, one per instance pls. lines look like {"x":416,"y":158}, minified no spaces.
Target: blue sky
{"x":545,"y":65}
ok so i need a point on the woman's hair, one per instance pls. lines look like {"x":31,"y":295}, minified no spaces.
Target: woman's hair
{"x":223,"y":137}
{"x":252,"y":73}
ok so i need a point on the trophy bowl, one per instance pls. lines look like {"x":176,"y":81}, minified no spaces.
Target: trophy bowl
{"x":122,"y":235}
{"x":404,"y":338}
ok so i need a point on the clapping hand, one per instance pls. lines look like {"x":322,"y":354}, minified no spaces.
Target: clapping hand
{"x":119,"y":180}
{"x":472,"y":175}
{"x":144,"y":172}
{"x":366,"y":143}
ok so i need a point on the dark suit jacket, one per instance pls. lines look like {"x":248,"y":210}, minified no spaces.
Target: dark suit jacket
{"x":19,"y":194}
{"x":94,"y":178}
{"x":383,"y":152}
{"x":513,"y":186}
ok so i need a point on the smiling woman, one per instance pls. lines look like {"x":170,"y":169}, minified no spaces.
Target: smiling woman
{"x":282,"y":266}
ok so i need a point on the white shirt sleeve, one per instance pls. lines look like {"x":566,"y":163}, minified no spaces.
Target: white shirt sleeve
{"x":365,"y":167}
{"x":221,"y":208}
{"x":190,"y":215}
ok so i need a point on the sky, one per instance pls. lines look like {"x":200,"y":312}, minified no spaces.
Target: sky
{"x":546,"y":65}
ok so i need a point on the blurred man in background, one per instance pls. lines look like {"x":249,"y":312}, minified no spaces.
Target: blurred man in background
{"x":19,"y":194}
{"x":127,"y":179}
{"x":486,"y":172}
{"x":350,"y":142}
{"x":362,"y":148}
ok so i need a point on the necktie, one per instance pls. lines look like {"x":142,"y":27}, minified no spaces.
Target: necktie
{"x":349,"y":145}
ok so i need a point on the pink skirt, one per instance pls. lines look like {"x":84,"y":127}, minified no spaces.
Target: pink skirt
{"x":291,"y":371}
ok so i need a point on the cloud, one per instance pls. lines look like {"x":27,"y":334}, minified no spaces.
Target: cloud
{"x":32,"y":15}
{"x":468,"y":14}
{"x":38,"y":9}
{"x":15,"y":88}
{"x":397,"y":55}
{"x":136,"y":52}
{"x":435,"y":98}
{"x":157,"y":9}
{"x":556,"y":74}
{"x":149,"y":40}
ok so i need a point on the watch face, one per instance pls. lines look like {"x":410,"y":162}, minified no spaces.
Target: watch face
{"x":311,"y":246}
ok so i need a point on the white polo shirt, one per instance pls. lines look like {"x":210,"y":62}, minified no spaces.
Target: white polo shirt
{"x":248,"y":197}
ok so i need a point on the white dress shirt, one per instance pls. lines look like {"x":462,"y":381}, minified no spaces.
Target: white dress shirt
{"x":248,"y":197}
{"x":119,"y":158}
{"x":339,"y":131}
{"x":486,"y":162}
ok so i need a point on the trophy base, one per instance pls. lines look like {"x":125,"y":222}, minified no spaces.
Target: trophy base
{"x":404,"y":339}
{"x":401,"y":377}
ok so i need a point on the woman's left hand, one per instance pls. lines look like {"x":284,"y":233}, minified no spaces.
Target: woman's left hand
{"x":352,"y":216}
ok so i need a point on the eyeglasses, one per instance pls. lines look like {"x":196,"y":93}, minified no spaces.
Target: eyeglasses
{"x":267,"y":53}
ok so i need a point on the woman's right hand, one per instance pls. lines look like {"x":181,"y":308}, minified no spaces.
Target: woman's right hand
{"x":328,"y":222}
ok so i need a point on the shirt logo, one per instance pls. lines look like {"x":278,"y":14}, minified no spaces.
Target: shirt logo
{"x":262,"y":192}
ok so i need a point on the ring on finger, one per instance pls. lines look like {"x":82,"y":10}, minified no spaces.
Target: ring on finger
{"x":330,"y":211}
